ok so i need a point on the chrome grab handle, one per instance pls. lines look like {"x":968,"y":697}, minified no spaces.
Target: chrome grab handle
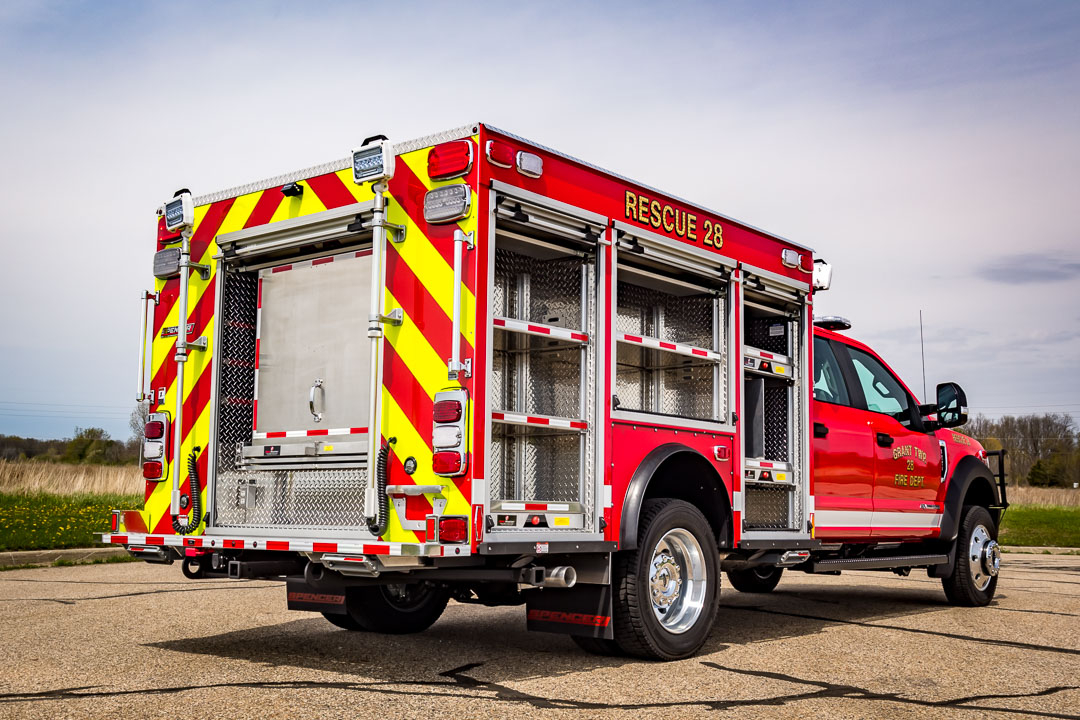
{"x":140,"y":390}
{"x":317,"y":385}
{"x":455,"y":365}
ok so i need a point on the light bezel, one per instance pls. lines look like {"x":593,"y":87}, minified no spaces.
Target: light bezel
{"x":520,"y":160}
{"x":462,"y":211}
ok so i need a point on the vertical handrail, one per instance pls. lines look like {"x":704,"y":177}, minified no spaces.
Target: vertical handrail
{"x":375,"y":333}
{"x":462,"y":241}
{"x":144,"y":299}
{"x":181,"y":359}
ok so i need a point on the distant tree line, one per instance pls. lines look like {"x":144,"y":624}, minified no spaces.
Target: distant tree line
{"x":1042,"y":450}
{"x":91,"y":445}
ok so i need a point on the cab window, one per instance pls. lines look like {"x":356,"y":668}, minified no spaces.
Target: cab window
{"x":828,"y":382}
{"x":883,"y":392}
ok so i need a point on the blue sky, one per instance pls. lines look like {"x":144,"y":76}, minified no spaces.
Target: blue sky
{"x":930,"y":151}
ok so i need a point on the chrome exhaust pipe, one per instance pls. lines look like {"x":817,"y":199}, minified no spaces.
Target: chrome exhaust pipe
{"x":563,"y":576}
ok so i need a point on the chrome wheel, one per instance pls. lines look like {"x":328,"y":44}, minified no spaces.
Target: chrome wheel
{"x":677,"y":581}
{"x":984,"y":557}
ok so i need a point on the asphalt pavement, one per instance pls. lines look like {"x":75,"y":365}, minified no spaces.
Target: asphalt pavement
{"x":138,"y":640}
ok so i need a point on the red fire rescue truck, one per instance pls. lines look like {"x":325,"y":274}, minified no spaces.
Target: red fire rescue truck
{"x":470,"y":367}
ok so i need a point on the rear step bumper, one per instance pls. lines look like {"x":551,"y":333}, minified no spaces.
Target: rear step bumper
{"x":240,"y":542}
{"x":878,"y":563}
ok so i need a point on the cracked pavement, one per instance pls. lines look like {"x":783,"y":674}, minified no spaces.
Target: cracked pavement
{"x":112,"y":640}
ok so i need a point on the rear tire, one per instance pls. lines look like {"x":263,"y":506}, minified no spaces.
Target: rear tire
{"x":396,"y":609}
{"x":667,"y":590}
{"x":761,"y":579}
{"x":974,"y":577}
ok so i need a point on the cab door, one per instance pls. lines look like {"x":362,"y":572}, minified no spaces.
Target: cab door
{"x":907,"y":464}
{"x":843,"y":453}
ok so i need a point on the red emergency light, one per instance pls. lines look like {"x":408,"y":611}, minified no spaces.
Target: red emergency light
{"x":450,"y":160}
{"x":152,"y":469}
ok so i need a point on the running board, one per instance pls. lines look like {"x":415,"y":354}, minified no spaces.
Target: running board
{"x":877,"y":563}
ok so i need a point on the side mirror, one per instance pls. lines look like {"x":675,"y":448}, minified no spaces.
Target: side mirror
{"x":951,"y":405}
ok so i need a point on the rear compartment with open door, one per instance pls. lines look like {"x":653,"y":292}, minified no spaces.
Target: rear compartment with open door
{"x":293,"y":378}
{"x":543,"y":368}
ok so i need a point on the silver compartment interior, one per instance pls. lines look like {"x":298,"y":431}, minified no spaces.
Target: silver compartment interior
{"x":316,"y":499}
{"x":536,"y":375}
{"x":539,"y":375}
{"x":660,"y":381}
{"x":535,"y":464}
{"x":772,"y":412}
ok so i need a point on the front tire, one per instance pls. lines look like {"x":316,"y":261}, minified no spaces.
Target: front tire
{"x":978,"y":558}
{"x":667,"y":590}
{"x":392,"y":609}
{"x":761,"y":579}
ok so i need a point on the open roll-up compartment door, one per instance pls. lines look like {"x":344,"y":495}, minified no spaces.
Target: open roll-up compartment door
{"x":650,"y":252}
{"x":306,"y":236}
{"x":523,"y":216}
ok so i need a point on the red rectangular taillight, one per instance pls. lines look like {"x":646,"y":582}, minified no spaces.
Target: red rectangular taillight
{"x":447,"y":411}
{"x":500,"y":154}
{"x":152,"y":469}
{"x":115,"y":522}
{"x":448,"y":462}
{"x":450,"y":160}
{"x":453,"y":530}
{"x":154,"y":430}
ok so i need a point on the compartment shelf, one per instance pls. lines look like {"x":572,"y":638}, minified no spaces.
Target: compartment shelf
{"x":677,"y":348}
{"x":557,"y":423}
{"x":766,"y":363}
{"x":539,"y":329}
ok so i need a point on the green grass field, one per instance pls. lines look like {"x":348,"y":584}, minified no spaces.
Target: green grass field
{"x":40,"y":521}
{"x":1039,"y":525}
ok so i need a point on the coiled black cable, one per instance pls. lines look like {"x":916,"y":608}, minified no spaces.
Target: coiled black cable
{"x":378,"y":520}
{"x":196,"y":505}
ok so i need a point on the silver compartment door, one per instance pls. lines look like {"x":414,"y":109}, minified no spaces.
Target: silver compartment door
{"x":313,"y":326}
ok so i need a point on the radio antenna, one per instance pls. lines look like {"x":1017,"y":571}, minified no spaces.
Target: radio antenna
{"x":922,"y":350}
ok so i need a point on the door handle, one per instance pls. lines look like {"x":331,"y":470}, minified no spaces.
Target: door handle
{"x":317,"y":385}
{"x":885,"y":439}
{"x":820,"y":430}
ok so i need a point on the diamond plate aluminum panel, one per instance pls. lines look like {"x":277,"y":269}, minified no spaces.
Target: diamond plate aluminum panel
{"x":688,"y":390}
{"x":644,"y":311}
{"x":777,"y":420}
{"x":760,"y":332}
{"x":541,"y":465}
{"x":767,"y":507}
{"x":537,"y":375}
{"x":542,"y":291}
{"x":330,"y":499}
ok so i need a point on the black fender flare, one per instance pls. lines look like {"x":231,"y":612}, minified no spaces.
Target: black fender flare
{"x":639,"y":483}
{"x":969,"y":472}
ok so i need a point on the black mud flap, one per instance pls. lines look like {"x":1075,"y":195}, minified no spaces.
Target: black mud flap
{"x":302,"y":596}
{"x":584,"y":610}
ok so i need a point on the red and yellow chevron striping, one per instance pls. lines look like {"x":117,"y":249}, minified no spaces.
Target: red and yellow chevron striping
{"x":419,"y":277}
